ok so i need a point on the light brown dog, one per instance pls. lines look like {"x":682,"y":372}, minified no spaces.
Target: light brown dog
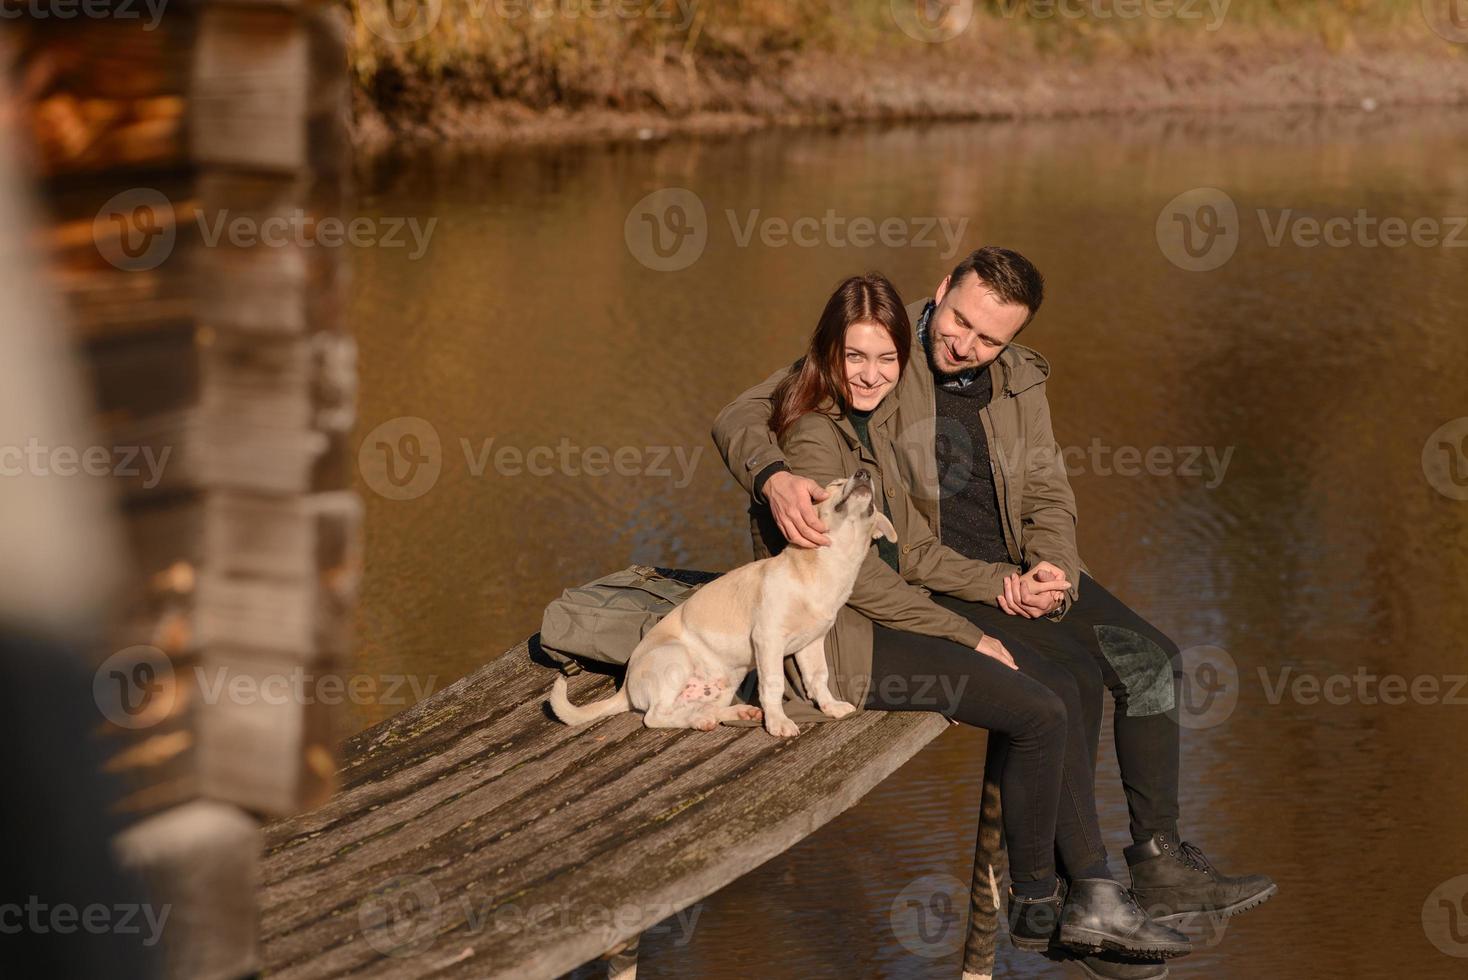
{"x":686,"y":669}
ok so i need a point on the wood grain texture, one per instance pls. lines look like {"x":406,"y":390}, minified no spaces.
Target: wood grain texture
{"x":476,"y":836}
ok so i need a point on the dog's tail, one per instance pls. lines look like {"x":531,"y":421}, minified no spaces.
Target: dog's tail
{"x":572,"y":715}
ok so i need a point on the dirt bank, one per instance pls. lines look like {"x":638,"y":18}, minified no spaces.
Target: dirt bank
{"x":700,"y":81}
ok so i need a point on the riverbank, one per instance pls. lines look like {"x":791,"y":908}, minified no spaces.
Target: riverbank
{"x":485,"y":73}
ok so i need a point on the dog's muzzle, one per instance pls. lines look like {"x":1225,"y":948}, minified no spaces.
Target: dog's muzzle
{"x":860,"y":482}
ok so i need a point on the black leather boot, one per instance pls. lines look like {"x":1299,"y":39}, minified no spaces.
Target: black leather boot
{"x":1172,"y":880}
{"x":1032,"y":921}
{"x":1100,"y":915}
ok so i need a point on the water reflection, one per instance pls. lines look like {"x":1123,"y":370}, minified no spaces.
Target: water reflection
{"x":1316,"y":373}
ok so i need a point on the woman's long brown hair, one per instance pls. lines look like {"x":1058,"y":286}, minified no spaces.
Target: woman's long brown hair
{"x":817,"y":382}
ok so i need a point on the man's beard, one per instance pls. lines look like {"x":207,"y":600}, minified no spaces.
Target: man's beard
{"x":934,"y":340}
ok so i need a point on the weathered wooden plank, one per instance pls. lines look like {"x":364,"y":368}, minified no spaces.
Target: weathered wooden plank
{"x":478,"y":799}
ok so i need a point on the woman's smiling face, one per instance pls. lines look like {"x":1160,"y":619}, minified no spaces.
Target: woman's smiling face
{"x":871,"y":364}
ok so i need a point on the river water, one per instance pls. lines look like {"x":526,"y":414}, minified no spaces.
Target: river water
{"x":1266,"y":432}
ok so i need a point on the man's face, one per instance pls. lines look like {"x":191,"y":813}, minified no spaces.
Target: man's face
{"x":970,"y":326}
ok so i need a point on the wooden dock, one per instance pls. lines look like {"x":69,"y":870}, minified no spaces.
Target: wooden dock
{"x":475,"y":836}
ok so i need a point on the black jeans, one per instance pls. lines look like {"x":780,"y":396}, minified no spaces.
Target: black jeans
{"x":1045,"y":759}
{"x":1136,"y":661}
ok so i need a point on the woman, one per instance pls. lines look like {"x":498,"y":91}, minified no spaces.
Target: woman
{"x":831,"y":416}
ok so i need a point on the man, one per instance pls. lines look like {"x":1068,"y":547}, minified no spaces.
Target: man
{"x":980,"y":458}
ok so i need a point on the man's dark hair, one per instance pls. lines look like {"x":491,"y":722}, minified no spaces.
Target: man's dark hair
{"x":1009,"y":275}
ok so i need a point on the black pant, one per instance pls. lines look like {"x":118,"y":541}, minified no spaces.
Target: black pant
{"x":1046,"y":759}
{"x":1137,"y":662}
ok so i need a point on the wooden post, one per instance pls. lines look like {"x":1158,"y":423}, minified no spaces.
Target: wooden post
{"x":990,"y":867}
{"x":223,"y":370}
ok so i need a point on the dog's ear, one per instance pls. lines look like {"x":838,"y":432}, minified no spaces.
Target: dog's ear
{"x":882,"y":528}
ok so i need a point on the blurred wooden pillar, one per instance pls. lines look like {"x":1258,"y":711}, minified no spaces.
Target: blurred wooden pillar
{"x":224,"y":384}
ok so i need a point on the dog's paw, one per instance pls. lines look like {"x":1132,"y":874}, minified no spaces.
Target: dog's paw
{"x":837,"y":709}
{"x":781,"y":727}
{"x":706,"y":723}
{"x":750,"y":712}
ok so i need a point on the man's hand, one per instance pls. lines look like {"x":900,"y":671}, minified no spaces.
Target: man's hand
{"x":1034,"y":594}
{"x":793,"y":500}
{"x":991,"y":647}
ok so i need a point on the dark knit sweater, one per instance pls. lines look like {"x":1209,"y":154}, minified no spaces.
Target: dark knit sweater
{"x":860,"y":422}
{"x":970,"y":505}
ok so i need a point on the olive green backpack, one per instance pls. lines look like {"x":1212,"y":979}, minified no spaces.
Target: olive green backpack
{"x":604,"y":620}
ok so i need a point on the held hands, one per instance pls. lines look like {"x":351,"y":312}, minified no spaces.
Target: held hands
{"x":1035,"y":593}
{"x":793,"y":502}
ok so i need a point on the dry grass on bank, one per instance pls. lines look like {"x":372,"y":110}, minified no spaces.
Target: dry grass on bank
{"x":676,"y":57}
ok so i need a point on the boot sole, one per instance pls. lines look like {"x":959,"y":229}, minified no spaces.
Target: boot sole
{"x":1227,"y":912}
{"x":1097,"y":976}
{"x":1100,"y":942}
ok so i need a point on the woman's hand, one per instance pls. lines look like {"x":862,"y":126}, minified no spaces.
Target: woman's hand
{"x":991,"y":647}
{"x":792,"y":501}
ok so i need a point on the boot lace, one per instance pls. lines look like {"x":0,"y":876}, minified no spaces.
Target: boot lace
{"x":1193,"y":857}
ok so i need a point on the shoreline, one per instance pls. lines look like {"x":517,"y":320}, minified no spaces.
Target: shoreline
{"x":828,"y":91}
